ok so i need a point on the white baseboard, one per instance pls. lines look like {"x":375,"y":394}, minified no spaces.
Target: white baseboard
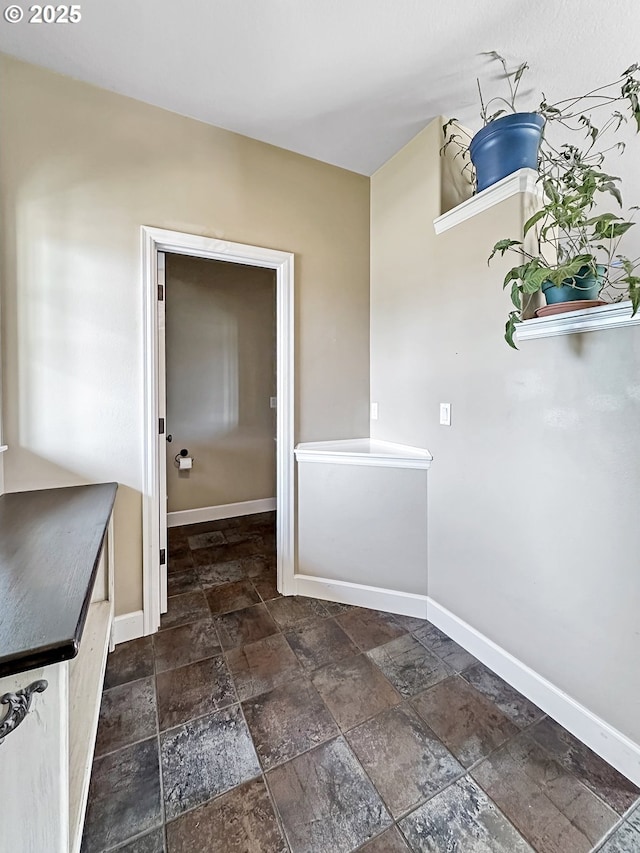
{"x":605,"y":740}
{"x":128,"y":626}
{"x":213,"y":513}
{"x":373,"y":597}
{"x":609,"y":743}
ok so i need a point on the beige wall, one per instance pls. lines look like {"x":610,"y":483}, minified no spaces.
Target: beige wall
{"x":221,"y":372}
{"x":81,"y":170}
{"x":534,"y":489}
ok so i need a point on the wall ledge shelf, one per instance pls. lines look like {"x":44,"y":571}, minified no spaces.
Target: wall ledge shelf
{"x":364,"y":451}
{"x":612,"y":316}
{"x":522,"y":181}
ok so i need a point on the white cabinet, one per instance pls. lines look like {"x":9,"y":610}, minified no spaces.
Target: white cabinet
{"x":47,"y":753}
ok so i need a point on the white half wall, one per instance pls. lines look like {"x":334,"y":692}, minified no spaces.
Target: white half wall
{"x":362,"y":516}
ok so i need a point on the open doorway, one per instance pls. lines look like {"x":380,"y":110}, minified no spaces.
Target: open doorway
{"x":209,"y":398}
{"x":220,"y":321}
{"x":220,"y":348}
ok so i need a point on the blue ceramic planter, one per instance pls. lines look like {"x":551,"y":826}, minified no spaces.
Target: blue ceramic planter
{"x":584,"y":285}
{"x":504,"y":146}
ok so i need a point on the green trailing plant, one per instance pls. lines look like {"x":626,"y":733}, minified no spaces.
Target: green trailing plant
{"x":458,"y":138}
{"x":570,"y":233}
{"x":583,"y":245}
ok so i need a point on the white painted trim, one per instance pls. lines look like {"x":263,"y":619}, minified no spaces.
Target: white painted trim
{"x":161,"y":367}
{"x":151,"y":461}
{"x":373,"y":597}
{"x":364,"y":451}
{"x":213,"y":513}
{"x":111,"y":575}
{"x":612,"y":316}
{"x":522,"y":181}
{"x":156,"y":240}
{"x":606,"y":741}
{"x":128,"y":626}
{"x":86,"y":679}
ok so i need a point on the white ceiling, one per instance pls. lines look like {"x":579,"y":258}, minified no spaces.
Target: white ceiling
{"x":345,"y":81}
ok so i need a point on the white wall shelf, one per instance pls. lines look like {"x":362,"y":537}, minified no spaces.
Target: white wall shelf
{"x":523,"y":181}
{"x":612,"y":316}
{"x":364,"y":451}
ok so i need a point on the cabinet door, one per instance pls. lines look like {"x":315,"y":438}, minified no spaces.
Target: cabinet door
{"x":34,"y":802}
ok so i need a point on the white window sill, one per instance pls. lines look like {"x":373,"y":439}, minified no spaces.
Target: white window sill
{"x":611,"y":316}
{"x":523,"y":181}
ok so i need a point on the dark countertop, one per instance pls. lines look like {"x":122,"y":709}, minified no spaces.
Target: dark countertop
{"x":50,"y":545}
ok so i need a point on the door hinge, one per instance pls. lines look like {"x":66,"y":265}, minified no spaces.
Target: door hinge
{"x":160,"y":426}
{"x":160,"y":292}
{"x":163,"y":556}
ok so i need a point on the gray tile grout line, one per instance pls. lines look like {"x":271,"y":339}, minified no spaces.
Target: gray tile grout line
{"x":126,"y":684}
{"x":475,"y":764}
{"x":190,"y":663}
{"x":162,"y":824}
{"x":239,"y":703}
{"x":521,"y":731}
{"x":307,"y":674}
{"x":274,"y":805}
{"x":225,"y":707}
{"x":125,"y":746}
{"x":133,"y":838}
{"x":342,"y":733}
{"x":623,"y":820}
{"x":159,"y":746}
{"x":465,"y":770}
{"x":504,"y":743}
{"x":620,"y":823}
{"x":282,"y":630}
{"x":197,"y":806}
{"x":513,"y":737}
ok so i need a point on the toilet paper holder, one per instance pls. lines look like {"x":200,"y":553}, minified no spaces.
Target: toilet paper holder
{"x":181,"y":458}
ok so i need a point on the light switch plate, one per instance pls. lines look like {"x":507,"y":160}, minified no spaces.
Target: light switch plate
{"x":273,"y":402}
{"x":445,"y":414}
{"x":374,"y":411}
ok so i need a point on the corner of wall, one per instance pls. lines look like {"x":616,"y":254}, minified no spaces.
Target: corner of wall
{"x":455,"y":184}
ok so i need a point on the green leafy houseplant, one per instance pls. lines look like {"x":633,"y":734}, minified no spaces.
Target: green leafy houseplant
{"x":459,"y":139}
{"x":570,"y":237}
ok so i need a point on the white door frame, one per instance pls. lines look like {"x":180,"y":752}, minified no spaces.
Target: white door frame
{"x":156,"y":240}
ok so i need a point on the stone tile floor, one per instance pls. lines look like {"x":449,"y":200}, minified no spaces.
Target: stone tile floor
{"x":252,"y":723}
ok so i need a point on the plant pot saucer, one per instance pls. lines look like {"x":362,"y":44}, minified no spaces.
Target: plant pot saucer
{"x":562,"y":307}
